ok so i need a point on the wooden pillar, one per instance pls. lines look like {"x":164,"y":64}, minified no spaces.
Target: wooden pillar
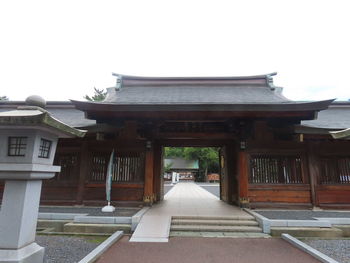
{"x":313,"y":171}
{"x":157,"y":172}
{"x":148,"y":196}
{"x":243,"y":178}
{"x":232,"y":189}
{"x":83,"y":170}
{"x":224,"y":182}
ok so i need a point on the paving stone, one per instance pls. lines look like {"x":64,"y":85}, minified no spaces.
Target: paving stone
{"x":212,"y":234}
{"x":257,"y":235}
{"x":199,"y":217}
{"x":234,"y":234}
{"x":185,"y":201}
{"x":185,"y":234}
{"x":204,"y":250}
{"x":214,"y":222}
{"x":215,"y":228}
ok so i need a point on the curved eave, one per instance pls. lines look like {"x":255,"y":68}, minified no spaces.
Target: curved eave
{"x":244,"y":107}
{"x":343,"y":134}
{"x":305,"y":129}
{"x":36,"y":119}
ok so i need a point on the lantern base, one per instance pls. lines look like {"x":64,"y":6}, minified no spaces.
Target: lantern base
{"x":108,"y":209}
{"x":32,"y":253}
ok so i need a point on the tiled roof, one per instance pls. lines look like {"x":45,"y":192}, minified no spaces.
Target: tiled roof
{"x":177,"y":91}
{"x":180,"y":163}
{"x":337,"y":116}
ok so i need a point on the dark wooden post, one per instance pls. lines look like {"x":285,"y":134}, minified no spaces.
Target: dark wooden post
{"x":148,"y":196}
{"x":313,"y":165}
{"x":157,"y":177}
{"x":83,"y":170}
{"x":231,"y":166}
{"x":243,"y":178}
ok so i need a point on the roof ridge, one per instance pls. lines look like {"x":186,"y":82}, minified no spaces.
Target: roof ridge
{"x":131,"y":77}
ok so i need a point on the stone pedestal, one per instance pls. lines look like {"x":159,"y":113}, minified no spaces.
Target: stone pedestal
{"x":18,"y":219}
{"x":32,"y":253}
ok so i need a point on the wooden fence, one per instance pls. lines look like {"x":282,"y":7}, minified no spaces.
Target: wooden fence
{"x":335,"y":170}
{"x":267,"y":169}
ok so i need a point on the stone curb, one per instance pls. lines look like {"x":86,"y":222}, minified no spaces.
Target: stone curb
{"x":59,"y":216}
{"x":306,"y":248}
{"x":135,"y":219}
{"x":98,"y":251}
{"x":102,"y":219}
{"x":335,"y":220}
{"x":266,"y":223}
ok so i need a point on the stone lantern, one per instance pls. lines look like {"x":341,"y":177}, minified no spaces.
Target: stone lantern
{"x":28,"y":139}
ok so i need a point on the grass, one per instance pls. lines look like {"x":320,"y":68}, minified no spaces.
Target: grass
{"x":95,"y":239}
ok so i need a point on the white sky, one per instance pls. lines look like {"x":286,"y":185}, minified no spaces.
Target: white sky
{"x":62,"y":49}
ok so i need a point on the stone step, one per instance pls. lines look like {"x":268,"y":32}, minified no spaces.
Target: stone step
{"x":307,"y":231}
{"x":57,"y":225}
{"x":245,"y":217}
{"x":215,"y":228}
{"x":218,"y":234}
{"x":214,"y":222}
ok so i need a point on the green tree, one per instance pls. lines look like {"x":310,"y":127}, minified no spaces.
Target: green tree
{"x":171,"y":152}
{"x":208,"y":158}
{"x":99,"y":95}
{"x":4,"y":98}
{"x":167,"y":167}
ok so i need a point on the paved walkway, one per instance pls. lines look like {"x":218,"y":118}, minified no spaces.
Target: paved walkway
{"x":184,"y":199}
{"x":206,"y":250}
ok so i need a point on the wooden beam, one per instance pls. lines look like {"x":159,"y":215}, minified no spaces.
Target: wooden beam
{"x":198,"y":115}
{"x":195,"y":135}
{"x":193,"y":142}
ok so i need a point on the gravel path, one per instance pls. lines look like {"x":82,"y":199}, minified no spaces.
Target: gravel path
{"x":338,"y":249}
{"x":65,"y":249}
{"x":301,"y":214}
{"x":91,"y":211}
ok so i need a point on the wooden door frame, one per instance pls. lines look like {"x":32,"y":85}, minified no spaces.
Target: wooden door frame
{"x":229,"y":145}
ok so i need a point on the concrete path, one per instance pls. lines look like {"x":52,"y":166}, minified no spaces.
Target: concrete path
{"x":206,"y":250}
{"x":184,"y":199}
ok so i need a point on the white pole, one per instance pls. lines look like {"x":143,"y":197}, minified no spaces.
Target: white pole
{"x":173,"y":178}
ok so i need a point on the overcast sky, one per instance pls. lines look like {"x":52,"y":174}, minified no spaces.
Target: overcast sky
{"x":62,"y":49}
